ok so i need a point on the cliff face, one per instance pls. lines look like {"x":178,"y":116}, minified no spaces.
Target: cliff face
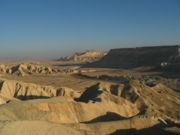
{"x":140,"y":56}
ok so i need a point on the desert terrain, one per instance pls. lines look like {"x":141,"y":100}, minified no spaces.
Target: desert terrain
{"x":129,"y":91}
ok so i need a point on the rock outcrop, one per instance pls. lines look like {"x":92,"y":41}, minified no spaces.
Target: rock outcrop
{"x":23,"y":69}
{"x":62,"y":108}
{"x":27,"y":69}
{"x":10,"y":89}
{"x":30,"y":69}
{"x":88,"y":56}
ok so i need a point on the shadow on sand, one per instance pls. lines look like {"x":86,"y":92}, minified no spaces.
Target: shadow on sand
{"x":109,"y":116}
{"x":90,"y":93}
{"x":21,"y":97}
{"x":158,"y":129}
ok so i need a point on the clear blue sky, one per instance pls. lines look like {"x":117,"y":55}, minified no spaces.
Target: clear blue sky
{"x":51,"y":28}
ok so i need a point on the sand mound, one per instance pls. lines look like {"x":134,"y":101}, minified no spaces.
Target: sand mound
{"x":63,"y":110}
{"x":88,"y":56}
{"x":36,"y":128}
{"x":2,"y":101}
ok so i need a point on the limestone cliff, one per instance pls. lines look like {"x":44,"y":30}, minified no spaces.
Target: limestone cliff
{"x":140,"y":56}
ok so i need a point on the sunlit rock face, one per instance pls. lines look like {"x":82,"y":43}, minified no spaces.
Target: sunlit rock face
{"x":88,"y":56}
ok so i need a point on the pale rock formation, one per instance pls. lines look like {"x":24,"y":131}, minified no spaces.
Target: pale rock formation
{"x":88,"y":56}
{"x":21,"y":90}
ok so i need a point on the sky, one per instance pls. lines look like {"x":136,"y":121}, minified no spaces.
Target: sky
{"x":54,"y":28}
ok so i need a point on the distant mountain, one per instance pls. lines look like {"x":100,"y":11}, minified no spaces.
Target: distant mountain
{"x":154,"y":56}
{"x":88,"y":56}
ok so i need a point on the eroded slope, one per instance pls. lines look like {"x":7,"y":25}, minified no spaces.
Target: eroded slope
{"x":103,"y":108}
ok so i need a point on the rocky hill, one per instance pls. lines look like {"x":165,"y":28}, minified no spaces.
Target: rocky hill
{"x":88,"y":56}
{"x":130,"y":105}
